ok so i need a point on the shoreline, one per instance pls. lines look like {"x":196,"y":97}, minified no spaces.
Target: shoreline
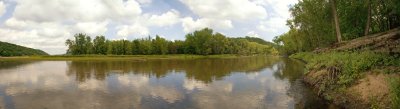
{"x":125,"y":57}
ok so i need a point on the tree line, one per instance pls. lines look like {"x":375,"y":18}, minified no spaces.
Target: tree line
{"x":321,"y":23}
{"x":201,"y":42}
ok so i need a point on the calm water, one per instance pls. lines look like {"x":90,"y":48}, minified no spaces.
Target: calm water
{"x":245,"y":83}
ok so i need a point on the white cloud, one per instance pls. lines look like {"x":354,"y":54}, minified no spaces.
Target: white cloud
{"x":46,"y":24}
{"x":190,"y":25}
{"x":16,"y":24}
{"x":55,"y":21}
{"x":140,"y":25}
{"x":280,"y":8}
{"x":76,"y":10}
{"x":51,"y":30}
{"x":226,"y":9}
{"x":278,"y":12}
{"x":253,"y":34}
{"x":136,"y":29}
{"x":169,"y":18}
{"x":273,"y":25}
{"x":2,"y":8}
{"x":92,"y":28}
{"x":144,"y":1}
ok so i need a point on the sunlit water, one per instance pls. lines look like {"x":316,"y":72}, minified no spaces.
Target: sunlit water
{"x":245,"y":83}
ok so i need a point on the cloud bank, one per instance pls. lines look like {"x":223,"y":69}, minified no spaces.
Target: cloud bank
{"x":46,"y":24}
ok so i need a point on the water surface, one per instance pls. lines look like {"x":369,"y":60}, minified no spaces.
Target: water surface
{"x":241,"y":83}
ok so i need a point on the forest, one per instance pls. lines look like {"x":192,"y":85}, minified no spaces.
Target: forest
{"x":201,"y":42}
{"x":322,"y":23}
{"x":8,"y":49}
{"x":351,"y":47}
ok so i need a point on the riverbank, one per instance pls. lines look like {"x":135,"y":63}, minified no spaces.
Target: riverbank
{"x":360,"y":73}
{"x":121,"y":57}
{"x":361,"y":79}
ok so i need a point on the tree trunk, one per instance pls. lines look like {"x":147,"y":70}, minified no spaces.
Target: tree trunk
{"x":335,"y":16}
{"x":367,"y":26}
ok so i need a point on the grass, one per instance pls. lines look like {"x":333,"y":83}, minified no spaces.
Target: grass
{"x":119,"y":57}
{"x":351,"y":64}
{"x":395,"y":92}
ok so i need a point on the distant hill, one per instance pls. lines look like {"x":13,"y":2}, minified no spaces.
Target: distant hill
{"x":257,"y":40}
{"x":9,"y":49}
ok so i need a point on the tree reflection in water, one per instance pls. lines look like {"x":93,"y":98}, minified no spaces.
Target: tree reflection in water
{"x":205,"y":70}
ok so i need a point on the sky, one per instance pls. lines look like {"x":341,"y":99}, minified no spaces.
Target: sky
{"x":46,"y":24}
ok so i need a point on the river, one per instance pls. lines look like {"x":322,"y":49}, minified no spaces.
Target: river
{"x":235,"y":83}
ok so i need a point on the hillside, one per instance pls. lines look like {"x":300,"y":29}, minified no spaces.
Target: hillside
{"x":257,"y":40}
{"x":9,"y":49}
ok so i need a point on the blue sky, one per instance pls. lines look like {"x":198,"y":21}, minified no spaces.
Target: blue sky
{"x":46,"y":24}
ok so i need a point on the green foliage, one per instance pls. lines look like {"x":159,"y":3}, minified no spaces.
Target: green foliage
{"x":351,"y":64}
{"x":306,"y":56}
{"x":292,"y":42}
{"x":81,"y":45}
{"x":395,"y":92}
{"x":160,"y":45}
{"x":100,"y":45}
{"x":312,"y":24}
{"x":8,"y":49}
{"x":202,"y":42}
{"x":219,"y":44}
{"x":145,"y":46}
{"x":120,"y":47}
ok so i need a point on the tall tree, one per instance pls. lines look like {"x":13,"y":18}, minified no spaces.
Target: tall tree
{"x":109,"y":47}
{"x":99,"y":45}
{"x":219,"y":43}
{"x":202,"y":40}
{"x":335,"y":17}
{"x":88,"y":45}
{"x":71,"y":46}
{"x":160,"y":45}
{"x":367,"y":25}
{"x":81,"y":45}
